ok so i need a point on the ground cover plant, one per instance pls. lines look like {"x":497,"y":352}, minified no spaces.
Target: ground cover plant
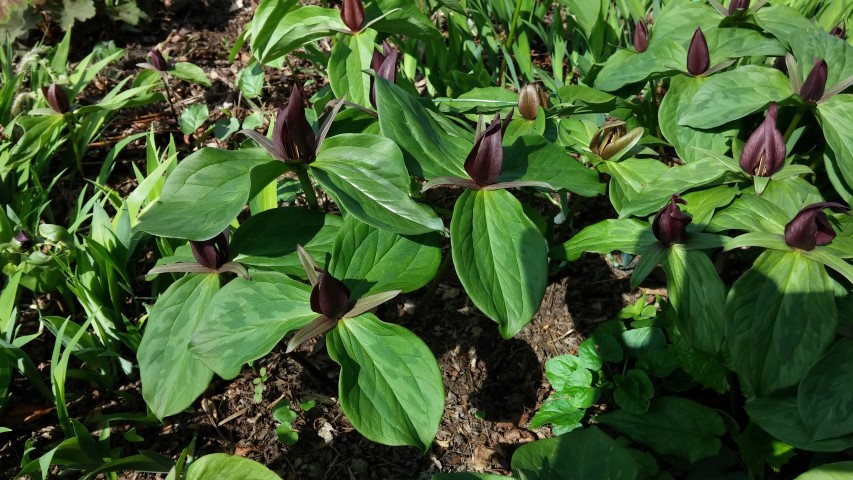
{"x":362,"y":183}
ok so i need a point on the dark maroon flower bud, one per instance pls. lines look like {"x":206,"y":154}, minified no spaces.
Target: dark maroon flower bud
{"x":22,"y":240}
{"x":670,"y":223}
{"x":293,"y":137}
{"x":815,"y":83}
{"x":155,"y":58}
{"x":485,"y":162}
{"x":781,"y":65}
{"x":385,"y":66}
{"x":212,"y":253}
{"x":352,"y":14}
{"x":698,"y":58}
{"x":330,"y":297}
{"x":764,"y":151}
{"x":56,"y":98}
{"x":811,"y":227}
{"x":641,"y":36}
{"x":839,"y":30}
{"x":738,"y":5}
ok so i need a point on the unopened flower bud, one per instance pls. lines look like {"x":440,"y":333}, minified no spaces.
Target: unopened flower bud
{"x":641,"y":36}
{"x":670,"y":223}
{"x":330,"y":296}
{"x":485,"y":161}
{"x":352,"y":14}
{"x":815,"y":83}
{"x":810,"y":227}
{"x":764,"y":151}
{"x":528,"y":101}
{"x":22,"y":240}
{"x":212,"y":253}
{"x":56,"y":98}
{"x":839,"y":30}
{"x":738,"y":5}
{"x":698,"y":57}
{"x":155,"y":58}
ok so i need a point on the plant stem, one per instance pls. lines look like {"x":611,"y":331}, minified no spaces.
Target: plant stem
{"x":307,"y":188}
{"x":794,"y":123}
{"x":169,"y":99}
{"x":78,"y":159}
{"x":509,"y":39}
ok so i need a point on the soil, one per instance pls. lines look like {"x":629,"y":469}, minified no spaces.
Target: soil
{"x":493,"y":386}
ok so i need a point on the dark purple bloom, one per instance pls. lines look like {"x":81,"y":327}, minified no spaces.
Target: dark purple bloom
{"x":155,"y":58}
{"x":385,"y":66}
{"x":56,"y":98}
{"x":486,"y":159}
{"x":670,"y":223}
{"x":698,"y":58}
{"x":330,"y":297}
{"x":839,"y":30}
{"x":293,"y":138}
{"x":22,"y":240}
{"x":738,"y":5}
{"x":641,"y":36}
{"x":781,"y":65}
{"x":529,"y":101}
{"x":352,"y":14}
{"x":815,"y":83}
{"x":764,"y":151}
{"x":811,"y":227}
{"x":212,"y":253}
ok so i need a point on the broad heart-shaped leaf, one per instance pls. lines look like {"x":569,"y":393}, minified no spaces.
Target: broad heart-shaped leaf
{"x":780,"y":417}
{"x":390,"y":384}
{"x":837,"y":126}
{"x":366,"y":176}
{"x":430,"y":151}
{"x":672,"y":426}
{"x":829,"y":471}
{"x":587,"y":454}
{"x":223,"y":467}
{"x":172,"y":378}
{"x":207,"y":190}
{"x":698,"y":296}
{"x":683,"y":138}
{"x":269,"y":238}
{"x":534,"y":158}
{"x":780,"y":318}
{"x":349,"y":57}
{"x":731,"y":95}
{"x":500,"y":257}
{"x":369,"y":260}
{"x":825,"y":398}
{"x":626,"y":67}
{"x":651,"y":196}
{"x":247,"y":318}
{"x":626,"y":235}
{"x":280,"y":35}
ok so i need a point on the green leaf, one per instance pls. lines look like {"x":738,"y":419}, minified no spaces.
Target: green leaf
{"x":430,"y":152}
{"x":626,"y":67}
{"x":634,"y":391}
{"x":626,"y":235}
{"x":172,"y":378}
{"x":587,"y":454}
{"x":247,"y":319}
{"x":641,"y":340}
{"x":390,"y":383}
{"x":672,"y":426}
{"x":500,"y":257}
{"x":409,"y":20}
{"x":824,"y":398}
{"x":780,"y":318}
{"x":269,"y":238}
{"x":191,"y":73}
{"x":751,"y":213}
{"x":731,"y":95}
{"x":702,"y":204}
{"x":371,"y":261}
{"x":250,"y":80}
{"x":629,"y":176}
{"x":278,"y":34}
{"x":562,"y":413}
{"x":780,"y":417}
{"x":837,"y":126}
{"x":698,"y":296}
{"x":366,"y":176}
{"x":350,"y":56}
{"x":702,"y":367}
{"x":207,"y":190}
{"x":193,"y":117}
{"x":534,"y":158}
{"x":684,"y":139}
{"x":567,"y":371}
{"x":829,"y":471}
{"x":221,"y":466}
{"x":75,"y":10}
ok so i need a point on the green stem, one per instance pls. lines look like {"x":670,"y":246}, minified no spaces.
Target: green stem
{"x":78,"y":158}
{"x":169,"y":99}
{"x":509,"y":38}
{"x":794,"y":123}
{"x":307,"y":188}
